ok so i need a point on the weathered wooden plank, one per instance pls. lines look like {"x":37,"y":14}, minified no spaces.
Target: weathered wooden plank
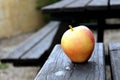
{"x":57,"y":6}
{"x":114,"y":51}
{"x":98,"y":5}
{"x":115,"y":4}
{"x":41,"y":47}
{"x":30,"y":43}
{"x":77,"y":5}
{"x":59,"y":67}
{"x":37,"y":55}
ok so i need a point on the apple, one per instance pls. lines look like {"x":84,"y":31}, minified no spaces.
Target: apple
{"x":78,"y":43}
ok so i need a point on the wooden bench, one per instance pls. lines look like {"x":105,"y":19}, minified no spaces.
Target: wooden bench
{"x":114,"y":52}
{"x":31,"y":51}
{"x":59,"y":67}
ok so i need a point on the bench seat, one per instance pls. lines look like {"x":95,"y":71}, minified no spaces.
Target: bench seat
{"x":31,"y":51}
{"x":59,"y":67}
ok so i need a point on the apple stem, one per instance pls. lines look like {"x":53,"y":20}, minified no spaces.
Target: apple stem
{"x":71,"y":27}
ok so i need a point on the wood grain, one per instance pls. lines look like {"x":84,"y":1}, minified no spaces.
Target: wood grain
{"x":78,"y":5}
{"x":59,"y":67}
{"x":114,"y":51}
{"x":26,"y":46}
{"x":57,"y":6}
{"x":98,"y":5}
{"x":37,"y":51}
{"x":115,"y":4}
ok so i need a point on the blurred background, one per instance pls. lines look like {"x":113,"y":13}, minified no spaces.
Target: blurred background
{"x":20,"y":19}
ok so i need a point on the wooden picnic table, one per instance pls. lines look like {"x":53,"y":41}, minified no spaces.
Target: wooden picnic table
{"x":59,"y":67}
{"x":74,"y":11}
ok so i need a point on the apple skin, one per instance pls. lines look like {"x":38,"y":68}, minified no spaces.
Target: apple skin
{"x":78,"y":44}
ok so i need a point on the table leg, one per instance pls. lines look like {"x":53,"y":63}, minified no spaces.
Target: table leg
{"x":100,"y":30}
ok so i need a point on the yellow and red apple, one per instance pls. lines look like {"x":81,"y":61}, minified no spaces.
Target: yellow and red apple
{"x":78,"y":43}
